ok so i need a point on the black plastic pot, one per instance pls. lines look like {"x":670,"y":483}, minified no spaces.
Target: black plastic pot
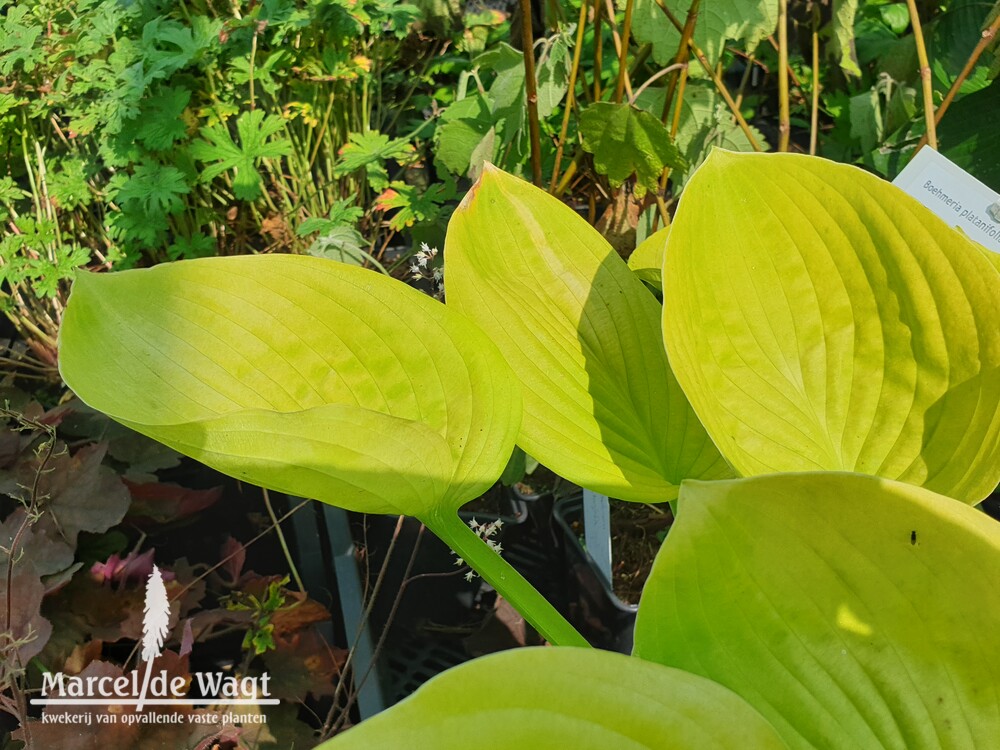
{"x":436,"y":624}
{"x":593,"y":608}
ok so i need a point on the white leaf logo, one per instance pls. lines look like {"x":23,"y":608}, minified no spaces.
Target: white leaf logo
{"x":155,"y":626}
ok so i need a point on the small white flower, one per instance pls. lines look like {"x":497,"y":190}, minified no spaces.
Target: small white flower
{"x":470,"y":575}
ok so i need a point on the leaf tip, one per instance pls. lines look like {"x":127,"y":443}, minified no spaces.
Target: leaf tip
{"x":488,"y":173}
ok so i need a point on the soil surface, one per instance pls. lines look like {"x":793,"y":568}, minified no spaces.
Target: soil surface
{"x":637,"y":530}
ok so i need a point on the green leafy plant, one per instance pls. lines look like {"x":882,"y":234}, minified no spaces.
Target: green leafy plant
{"x":137,"y":133}
{"x":259,"y":638}
{"x":830,"y":596}
{"x":424,"y":427}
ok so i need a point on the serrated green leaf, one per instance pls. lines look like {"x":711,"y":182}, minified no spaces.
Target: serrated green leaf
{"x":343,"y":212}
{"x":169,"y":46}
{"x":819,"y":318}
{"x":10,"y":192}
{"x":68,"y":185}
{"x":718,"y":20}
{"x":369,"y":151}
{"x":506,"y":92}
{"x":849,"y":610}
{"x":265,"y":70}
{"x":952,"y":35}
{"x":154,"y":189}
{"x":257,"y":142}
{"x":197,"y":246}
{"x":413,"y":204}
{"x":602,"y":407}
{"x":18,"y":35}
{"x":341,"y":243}
{"x":543,"y":698}
{"x":626,"y":141}
{"x":842,"y":36}
{"x":705,"y":122}
{"x":969,"y":140}
{"x":465,"y":128}
{"x":162,"y":124}
{"x":866,"y":119}
{"x":553,"y":74}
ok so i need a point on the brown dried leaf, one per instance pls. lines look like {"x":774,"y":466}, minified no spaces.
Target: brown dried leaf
{"x":80,"y":493}
{"x":235,"y":556}
{"x":299,"y":613}
{"x":82,"y":655}
{"x":303,"y":663}
{"x":168,"y":502}
{"x":27,"y":626}
{"x":40,"y":545}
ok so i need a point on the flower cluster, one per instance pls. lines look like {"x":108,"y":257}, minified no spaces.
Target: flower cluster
{"x":423,"y":269}
{"x":486,"y":532}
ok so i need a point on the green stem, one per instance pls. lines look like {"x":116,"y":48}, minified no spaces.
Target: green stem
{"x":502,"y":576}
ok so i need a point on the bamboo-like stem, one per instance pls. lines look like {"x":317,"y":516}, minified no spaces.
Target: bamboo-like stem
{"x":616,"y":38}
{"x":675,"y":124}
{"x":253,"y":57}
{"x":534,"y":131}
{"x":814,"y":107}
{"x":623,"y":52}
{"x":719,"y":85}
{"x":745,"y":79}
{"x":568,"y":175}
{"x":676,"y":87}
{"x":988,"y":35}
{"x":791,"y":71}
{"x":598,"y":49}
{"x":925,"y":74}
{"x":784,"y":121}
{"x":682,"y":56}
{"x":570,"y":95}
{"x":640,"y":58}
{"x":503,"y":577}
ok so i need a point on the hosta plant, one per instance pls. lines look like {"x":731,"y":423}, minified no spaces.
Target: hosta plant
{"x":818,"y":392}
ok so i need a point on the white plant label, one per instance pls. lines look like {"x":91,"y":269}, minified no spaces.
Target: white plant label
{"x":954,"y":195}
{"x":597,"y":530}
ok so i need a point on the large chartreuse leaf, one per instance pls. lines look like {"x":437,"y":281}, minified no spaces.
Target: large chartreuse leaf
{"x":601,"y":405}
{"x":646,"y":261}
{"x":819,"y":318}
{"x":300,"y":374}
{"x":851,"y":611}
{"x":545,"y":698}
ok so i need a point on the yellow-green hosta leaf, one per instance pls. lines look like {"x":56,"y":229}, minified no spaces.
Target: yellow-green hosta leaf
{"x":646,"y":261}
{"x":546,"y":698}
{"x":819,"y":318}
{"x":298,"y":373}
{"x":851,"y":611}
{"x":583,"y":336}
